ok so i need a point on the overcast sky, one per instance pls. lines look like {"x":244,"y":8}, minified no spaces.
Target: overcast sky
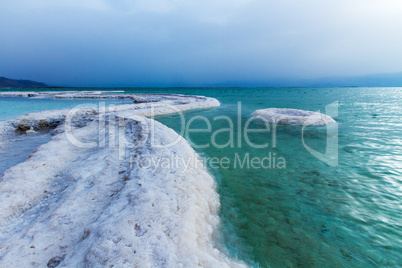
{"x":184,"y":42}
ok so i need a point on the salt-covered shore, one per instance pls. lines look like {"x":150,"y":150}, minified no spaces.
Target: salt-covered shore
{"x":69,"y":206}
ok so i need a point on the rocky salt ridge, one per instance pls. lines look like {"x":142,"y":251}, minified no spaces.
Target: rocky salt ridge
{"x":293,"y":116}
{"x":143,"y":104}
{"x":68,"y":206}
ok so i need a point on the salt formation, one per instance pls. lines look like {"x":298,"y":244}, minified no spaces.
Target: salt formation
{"x":69,"y":206}
{"x":293,"y":116}
{"x":143,"y":104}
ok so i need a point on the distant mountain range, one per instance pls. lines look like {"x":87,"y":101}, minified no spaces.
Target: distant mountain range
{"x":372,"y":80}
{"x":12,"y":83}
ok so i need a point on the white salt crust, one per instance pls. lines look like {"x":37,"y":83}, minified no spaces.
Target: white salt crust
{"x":293,"y":116}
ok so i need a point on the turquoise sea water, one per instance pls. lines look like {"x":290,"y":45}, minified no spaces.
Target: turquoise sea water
{"x":11,"y":107}
{"x":308,"y":214}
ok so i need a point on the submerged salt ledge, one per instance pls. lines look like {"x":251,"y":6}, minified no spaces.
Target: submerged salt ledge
{"x":293,"y":116}
{"x":85,"y":207}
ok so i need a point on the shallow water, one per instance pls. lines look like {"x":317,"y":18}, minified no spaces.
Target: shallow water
{"x":19,"y":148}
{"x":11,"y":107}
{"x":309,"y":214}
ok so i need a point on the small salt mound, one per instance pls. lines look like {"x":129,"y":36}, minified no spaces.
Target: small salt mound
{"x":293,"y":116}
